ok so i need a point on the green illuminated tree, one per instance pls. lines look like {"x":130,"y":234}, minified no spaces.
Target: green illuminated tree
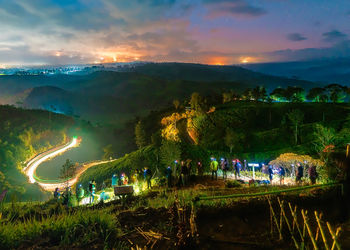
{"x":336,"y":92}
{"x":323,"y":137}
{"x":296,"y":117}
{"x":295,"y":94}
{"x":169,"y":152}
{"x":317,"y":95}
{"x":67,"y":172}
{"x":278,"y":94}
{"x":140,"y":135}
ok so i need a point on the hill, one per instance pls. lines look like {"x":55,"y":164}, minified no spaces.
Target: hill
{"x":144,"y":87}
{"x":326,"y":71}
{"x":210,"y":73}
{"x":260,"y":133}
{"x":23,"y":134}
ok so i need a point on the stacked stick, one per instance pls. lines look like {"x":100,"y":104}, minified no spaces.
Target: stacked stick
{"x":305,"y":232}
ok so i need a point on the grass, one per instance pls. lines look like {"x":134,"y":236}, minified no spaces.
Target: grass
{"x":57,"y":227}
{"x":38,"y":225}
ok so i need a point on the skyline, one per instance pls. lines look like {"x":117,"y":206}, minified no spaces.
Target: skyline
{"x":218,"y":32}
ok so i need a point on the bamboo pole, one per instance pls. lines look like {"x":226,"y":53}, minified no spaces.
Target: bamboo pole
{"x":271,"y":223}
{"x":281,"y":214}
{"x":309,"y":229}
{"x":275,"y":219}
{"x":318,"y":219}
{"x":334,"y":236}
{"x":318,"y":228}
{"x":295,"y":221}
{"x":288,"y":225}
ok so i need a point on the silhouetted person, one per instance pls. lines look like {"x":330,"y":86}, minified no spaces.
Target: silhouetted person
{"x":282,"y":174}
{"x":300,"y":173}
{"x":169,"y":173}
{"x":312,"y":174}
{"x":147,"y":173}
{"x":214,"y":169}
{"x":270,"y":173}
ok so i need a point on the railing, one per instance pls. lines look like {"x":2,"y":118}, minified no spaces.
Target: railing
{"x":304,"y":235}
{"x":199,"y":198}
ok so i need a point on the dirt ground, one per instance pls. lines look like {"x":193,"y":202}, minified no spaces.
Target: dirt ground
{"x":245,"y":225}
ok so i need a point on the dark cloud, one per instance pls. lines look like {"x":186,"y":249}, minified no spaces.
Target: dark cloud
{"x":233,"y":7}
{"x":334,"y":36}
{"x":296,"y":37}
{"x":338,"y":50}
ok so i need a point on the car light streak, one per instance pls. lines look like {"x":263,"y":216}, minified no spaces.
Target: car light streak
{"x":35,"y":162}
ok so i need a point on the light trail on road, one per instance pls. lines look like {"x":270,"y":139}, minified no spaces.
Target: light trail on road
{"x":34,"y":163}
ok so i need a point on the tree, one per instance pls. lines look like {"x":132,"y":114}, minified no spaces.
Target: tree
{"x":176,"y":104}
{"x":294,"y":94}
{"x":296,"y":117}
{"x":336,"y":92}
{"x":278,"y":94}
{"x":108,"y":152}
{"x":140,"y":135}
{"x":67,"y":172}
{"x":259,"y":93}
{"x":227,"y":97}
{"x":169,"y":152}
{"x":325,"y":139}
{"x":232,"y":139}
{"x":197,"y":102}
{"x":247,"y":94}
{"x":317,"y":95}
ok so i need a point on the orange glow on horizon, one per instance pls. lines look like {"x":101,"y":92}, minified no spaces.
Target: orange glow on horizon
{"x":113,"y":57}
{"x":247,"y":59}
{"x":220,"y":61}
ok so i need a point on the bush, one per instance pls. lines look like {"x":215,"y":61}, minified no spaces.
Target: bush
{"x":233,"y":184}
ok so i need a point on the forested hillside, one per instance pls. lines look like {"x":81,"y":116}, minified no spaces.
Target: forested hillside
{"x":253,"y":130}
{"x":24,"y":133}
{"x":116,"y":97}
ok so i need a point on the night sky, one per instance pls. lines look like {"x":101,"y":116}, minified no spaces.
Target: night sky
{"x":204,"y":31}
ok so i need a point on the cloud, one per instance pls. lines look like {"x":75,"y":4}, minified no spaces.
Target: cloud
{"x":296,"y":37}
{"x":233,"y":8}
{"x":341,"y":49}
{"x":334,"y":36}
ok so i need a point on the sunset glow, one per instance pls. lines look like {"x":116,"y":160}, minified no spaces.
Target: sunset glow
{"x":205,"y":31}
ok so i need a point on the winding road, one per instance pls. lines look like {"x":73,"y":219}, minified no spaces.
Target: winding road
{"x":34,"y":163}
